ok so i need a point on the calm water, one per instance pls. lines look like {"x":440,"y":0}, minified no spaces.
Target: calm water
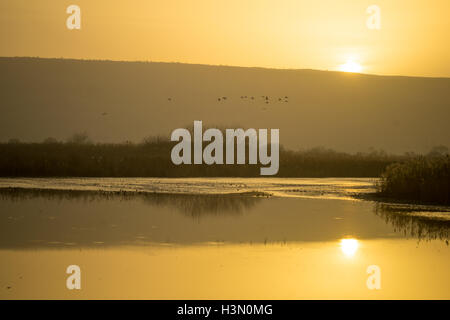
{"x":217,"y":238}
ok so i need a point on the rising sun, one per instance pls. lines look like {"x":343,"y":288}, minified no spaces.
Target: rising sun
{"x":350,"y":66}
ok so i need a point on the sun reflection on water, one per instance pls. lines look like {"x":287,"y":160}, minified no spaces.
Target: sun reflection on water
{"x":349,"y":246}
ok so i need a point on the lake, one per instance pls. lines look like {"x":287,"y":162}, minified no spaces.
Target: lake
{"x":224,"y":238}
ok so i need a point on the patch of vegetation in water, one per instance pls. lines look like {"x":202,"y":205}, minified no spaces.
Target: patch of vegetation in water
{"x":424,"y":179}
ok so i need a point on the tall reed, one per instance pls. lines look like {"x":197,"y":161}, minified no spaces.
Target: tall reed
{"x":422,"y":179}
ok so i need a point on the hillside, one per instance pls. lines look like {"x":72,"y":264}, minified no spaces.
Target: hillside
{"x":118,"y":101}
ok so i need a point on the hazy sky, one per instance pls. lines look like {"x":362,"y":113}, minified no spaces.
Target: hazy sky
{"x":320,"y":34}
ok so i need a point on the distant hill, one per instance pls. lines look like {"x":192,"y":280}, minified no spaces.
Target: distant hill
{"x":118,"y":101}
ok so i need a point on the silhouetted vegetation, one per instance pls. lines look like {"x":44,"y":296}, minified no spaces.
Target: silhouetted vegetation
{"x":421,"y":227}
{"x":321,"y":162}
{"x":421,"y":179}
{"x":80,"y":157}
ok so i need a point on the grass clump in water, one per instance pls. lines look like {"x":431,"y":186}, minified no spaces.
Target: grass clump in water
{"x":420,"y":179}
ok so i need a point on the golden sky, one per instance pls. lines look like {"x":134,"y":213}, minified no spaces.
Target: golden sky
{"x":320,"y":34}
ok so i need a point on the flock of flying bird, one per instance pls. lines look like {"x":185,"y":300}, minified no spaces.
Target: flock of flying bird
{"x":266,"y":99}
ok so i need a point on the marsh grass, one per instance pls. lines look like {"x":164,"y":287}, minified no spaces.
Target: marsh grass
{"x":80,"y":157}
{"x":422,"y":179}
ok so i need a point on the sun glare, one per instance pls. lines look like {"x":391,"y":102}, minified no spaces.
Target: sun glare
{"x":349,"y":246}
{"x":350,"y":66}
